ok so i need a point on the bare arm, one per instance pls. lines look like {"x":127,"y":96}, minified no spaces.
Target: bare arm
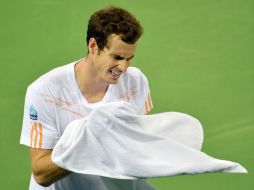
{"x":45,"y":172}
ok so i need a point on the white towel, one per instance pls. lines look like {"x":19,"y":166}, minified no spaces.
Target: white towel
{"x":114,"y":142}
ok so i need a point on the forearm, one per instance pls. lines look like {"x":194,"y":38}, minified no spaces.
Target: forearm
{"x":44,"y":170}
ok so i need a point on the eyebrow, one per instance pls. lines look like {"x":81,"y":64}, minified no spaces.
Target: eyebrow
{"x":120,"y":57}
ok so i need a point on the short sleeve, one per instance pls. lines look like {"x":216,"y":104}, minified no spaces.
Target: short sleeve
{"x":39,"y":126}
{"x":146,"y":103}
{"x":142,"y":98}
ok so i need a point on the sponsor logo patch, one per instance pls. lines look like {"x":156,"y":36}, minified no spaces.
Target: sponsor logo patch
{"x":33,"y":113}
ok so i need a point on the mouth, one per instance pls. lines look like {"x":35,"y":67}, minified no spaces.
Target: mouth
{"x":115,"y":73}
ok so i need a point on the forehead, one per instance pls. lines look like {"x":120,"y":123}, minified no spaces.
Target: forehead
{"x":119,"y":47}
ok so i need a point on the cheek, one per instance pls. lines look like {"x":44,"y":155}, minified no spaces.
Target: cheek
{"x":109,"y":62}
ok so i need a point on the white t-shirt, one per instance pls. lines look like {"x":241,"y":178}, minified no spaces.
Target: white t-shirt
{"x":54,"y":100}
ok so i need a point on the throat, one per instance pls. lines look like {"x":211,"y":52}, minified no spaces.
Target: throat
{"x":92,"y":89}
{"x":92,"y":96}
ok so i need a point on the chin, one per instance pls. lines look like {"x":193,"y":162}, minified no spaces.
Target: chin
{"x":113,"y":82}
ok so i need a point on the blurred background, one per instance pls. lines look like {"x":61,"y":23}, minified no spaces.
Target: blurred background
{"x":197,"y":54}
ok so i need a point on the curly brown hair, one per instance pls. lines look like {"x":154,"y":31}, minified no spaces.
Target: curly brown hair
{"x":113,"y":20}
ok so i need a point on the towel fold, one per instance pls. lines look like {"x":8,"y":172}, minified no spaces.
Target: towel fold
{"x":114,"y":142}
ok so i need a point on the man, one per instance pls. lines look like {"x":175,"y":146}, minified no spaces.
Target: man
{"x":72,"y":91}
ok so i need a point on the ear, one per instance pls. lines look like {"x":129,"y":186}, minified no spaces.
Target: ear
{"x":92,"y":45}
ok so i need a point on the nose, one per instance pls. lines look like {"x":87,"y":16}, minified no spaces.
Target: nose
{"x":123,"y":65}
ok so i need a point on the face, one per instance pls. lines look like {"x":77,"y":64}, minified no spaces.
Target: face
{"x":113,"y":60}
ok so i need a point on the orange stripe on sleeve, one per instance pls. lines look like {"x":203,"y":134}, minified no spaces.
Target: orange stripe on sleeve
{"x":146,"y":107}
{"x":40,"y":141}
{"x":36,"y":135}
{"x":149,"y":102}
{"x":31,"y":135}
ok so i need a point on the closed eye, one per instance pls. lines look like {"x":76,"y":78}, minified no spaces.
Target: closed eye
{"x":128,"y":59}
{"x":117,"y":57}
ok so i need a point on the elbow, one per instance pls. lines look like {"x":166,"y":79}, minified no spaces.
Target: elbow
{"x":42,"y":180}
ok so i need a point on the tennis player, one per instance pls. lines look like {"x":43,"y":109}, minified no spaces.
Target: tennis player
{"x":72,"y":91}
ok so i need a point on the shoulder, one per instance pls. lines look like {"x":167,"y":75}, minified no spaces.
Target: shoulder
{"x":134,"y":75}
{"x":135,"y":72}
{"x":56,"y":78}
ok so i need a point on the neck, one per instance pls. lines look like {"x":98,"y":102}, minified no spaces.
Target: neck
{"x":91,"y":86}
